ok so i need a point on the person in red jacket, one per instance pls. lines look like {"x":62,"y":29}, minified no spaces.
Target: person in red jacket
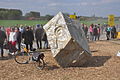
{"x":8,"y":30}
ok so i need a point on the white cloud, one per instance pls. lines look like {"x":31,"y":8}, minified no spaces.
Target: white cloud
{"x":95,"y":3}
{"x":109,"y":1}
{"x":57,"y":4}
{"x":84,"y":3}
{"x":100,"y":2}
{"x":53,"y":4}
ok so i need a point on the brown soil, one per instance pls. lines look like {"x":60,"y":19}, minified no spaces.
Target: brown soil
{"x":104,"y":65}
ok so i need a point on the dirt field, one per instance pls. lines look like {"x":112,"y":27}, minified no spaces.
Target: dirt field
{"x":104,"y":65}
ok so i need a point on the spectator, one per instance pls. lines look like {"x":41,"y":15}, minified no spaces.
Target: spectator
{"x":113,"y":32}
{"x":19,"y":38}
{"x":101,"y":29}
{"x":3,"y":28}
{"x":82,"y":26}
{"x":95,"y":32}
{"x":12,"y":41}
{"x":86,"y":30}
{"x":2,"y":39}
{"x":38,"y":35}
{"x":28,"y":38}
{"x":8,"y":30}
{"x":21,"y":29}
{"x":46,"y":40}
{"x":91,"y":32}
{"x":98,"y":29}
{"x":108,"y":30}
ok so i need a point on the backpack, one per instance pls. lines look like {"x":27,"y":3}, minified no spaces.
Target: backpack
{"x":37,"y":56}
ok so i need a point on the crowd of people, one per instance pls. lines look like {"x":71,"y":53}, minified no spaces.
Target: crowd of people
{"x":14,"y":36}
{"x":93,"y":32}
{"x":110,"y":32}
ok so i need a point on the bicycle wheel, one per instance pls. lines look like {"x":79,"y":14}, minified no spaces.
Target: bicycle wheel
{"x":41,"y":64}
{"x":22,"y":58}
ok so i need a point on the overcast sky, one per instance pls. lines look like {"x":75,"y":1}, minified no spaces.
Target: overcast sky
{"x":81,"y":7}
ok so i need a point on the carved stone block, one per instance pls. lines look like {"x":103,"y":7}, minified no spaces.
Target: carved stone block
{"x":67,"y":41}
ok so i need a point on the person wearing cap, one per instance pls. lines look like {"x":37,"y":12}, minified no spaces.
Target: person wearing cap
{"x":38,"y":35}
{"x":2,"y":39}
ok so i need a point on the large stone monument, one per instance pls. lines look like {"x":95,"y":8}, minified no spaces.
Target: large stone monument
{"x":67,"y":41}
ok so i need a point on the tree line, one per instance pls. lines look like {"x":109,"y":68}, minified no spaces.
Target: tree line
{"x":15,"y":14}
{"x":10,"y":14}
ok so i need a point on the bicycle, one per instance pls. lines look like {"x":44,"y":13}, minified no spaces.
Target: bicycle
{"x":26,"y":56}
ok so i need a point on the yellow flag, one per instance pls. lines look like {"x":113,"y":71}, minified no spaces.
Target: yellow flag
{"x":111,"y":20}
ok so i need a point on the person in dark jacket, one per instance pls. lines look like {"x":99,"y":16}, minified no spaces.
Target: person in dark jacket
{"x":45,"y":41}
{"x":85,"y":30}
{"x":113,"y":32}
{"x":108,"y":30}
{"x":95,"y":32}
{"x":2,"y":39}
{"x":19,"y":38}
{"x":28,"y":37}
{"x":38,"y":35}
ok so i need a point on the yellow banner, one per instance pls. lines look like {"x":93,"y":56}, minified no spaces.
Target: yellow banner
{"x":118,"y":35}
{"x":111,"y":20}
{"x":73,"y":16}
